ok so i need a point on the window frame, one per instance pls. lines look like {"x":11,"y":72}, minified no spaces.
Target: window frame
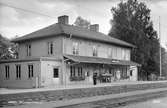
{"x":75,"y":48}
{"x":72,"y":71}
{"x":30,"y":71}
{"x":50,"y":48}
{"x":80,"y":72}
{"x":95,"y":51}
{"x":18,"y":71}
{"x":28,"y":49}
{"x":55,"y":75}
{"x":7,"y":72}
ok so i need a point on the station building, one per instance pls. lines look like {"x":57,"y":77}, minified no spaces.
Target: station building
{"x":63,"y":54}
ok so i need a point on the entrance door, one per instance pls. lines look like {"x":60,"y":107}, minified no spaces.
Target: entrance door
{"x":56,"y":75}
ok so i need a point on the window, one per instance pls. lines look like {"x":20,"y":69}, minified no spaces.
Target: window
{"x":109,"y":53}
{"x":131,"y":72}
{"x":76,"y":75}
{"x":18,"y":71}
{"x":127,"y":55}
{"x":30,"y":71}
{"x":75,"y":48}
{"x":94,"y":51}
{"x":72,"y":71}
{"x":123,"y":54}
{"x":114,"y":53}
{"x":50,"y":48}
{"x":7,"y":71}
{"x":80,"y":74}
{"x":55,"y":73}
{"x":119,"y":53}
{"x":28,"y":47}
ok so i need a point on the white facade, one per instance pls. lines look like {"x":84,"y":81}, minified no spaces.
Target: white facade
{"x":24,"y":81}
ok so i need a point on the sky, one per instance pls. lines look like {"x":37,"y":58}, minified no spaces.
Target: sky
{"x":41,"y":13}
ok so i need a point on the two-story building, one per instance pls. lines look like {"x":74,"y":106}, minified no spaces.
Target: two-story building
{"x":63,"y":54}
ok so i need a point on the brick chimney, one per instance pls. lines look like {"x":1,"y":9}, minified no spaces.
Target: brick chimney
{"x":94,"y":27}
{"x":63,"y":19}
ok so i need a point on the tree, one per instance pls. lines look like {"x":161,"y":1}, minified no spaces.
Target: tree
{"x":131,"y":22}
{"x":164,"y":62}
{"x":80,"y":22}
{"x":8,"y":50}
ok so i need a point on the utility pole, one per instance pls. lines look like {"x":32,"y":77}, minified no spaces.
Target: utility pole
{"x":160,"y":67}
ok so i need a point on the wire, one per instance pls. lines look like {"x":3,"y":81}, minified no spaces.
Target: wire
{"x":30,"y":11}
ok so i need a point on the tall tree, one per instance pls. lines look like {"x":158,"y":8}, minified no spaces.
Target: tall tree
{"x":131,"y":22}
{"x":164,"y":62}
{"x":81,"y":22}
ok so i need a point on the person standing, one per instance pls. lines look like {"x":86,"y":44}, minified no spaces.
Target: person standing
{"x":118,"y":74}
{"x":94,"y":78}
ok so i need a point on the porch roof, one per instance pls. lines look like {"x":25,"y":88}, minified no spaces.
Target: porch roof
{"x":97,"y":60}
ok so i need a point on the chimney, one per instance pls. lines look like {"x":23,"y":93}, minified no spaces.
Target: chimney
{"x":94,"y":27}
{"x":63,"y":19}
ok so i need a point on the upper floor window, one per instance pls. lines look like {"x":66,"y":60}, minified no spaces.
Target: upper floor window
{"x":75,"y":48}
{"x":7,"y":71}
{"x":18,"y":71}
{"x":95,"y":51}
{"x":123,"y":54}
{"x":28,"y":48}
{"x":110,"y":53}
{"x":127,"y":55}
{"x":50,"y":48}
{"x":30,"y":71}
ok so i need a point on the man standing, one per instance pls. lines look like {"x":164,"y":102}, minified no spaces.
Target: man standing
{"x":118,"y":74}
{"x":94,"y":78}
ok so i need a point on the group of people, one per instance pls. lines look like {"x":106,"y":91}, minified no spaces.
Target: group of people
{"x":95,"y":77}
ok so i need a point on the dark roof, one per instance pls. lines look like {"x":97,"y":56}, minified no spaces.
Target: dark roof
{"x":78,"y":32}
{"x":97,"y":60}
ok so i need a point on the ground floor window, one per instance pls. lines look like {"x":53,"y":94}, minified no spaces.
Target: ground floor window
{"x":131,"y":72}
{"x":30,"y":71}
{"x":76,"y":73}
{"x":80,"y":74}
{"x":55,"y":73}
{"x":18,"y":71}
{"x":72,"y":71}
{"x":7,"y":71}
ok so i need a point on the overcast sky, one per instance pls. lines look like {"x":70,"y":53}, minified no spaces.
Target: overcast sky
{"x":18,"y":22}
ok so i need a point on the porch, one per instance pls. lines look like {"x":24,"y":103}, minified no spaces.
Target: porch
{"x":81,"y":70}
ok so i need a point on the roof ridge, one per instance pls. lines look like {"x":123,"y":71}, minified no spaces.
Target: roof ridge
{"x":79,"y":32}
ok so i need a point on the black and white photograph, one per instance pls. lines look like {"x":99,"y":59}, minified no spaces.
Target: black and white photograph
{"x":83,"y":53}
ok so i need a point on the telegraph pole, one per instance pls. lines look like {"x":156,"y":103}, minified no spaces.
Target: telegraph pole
{"x":160,"y":67}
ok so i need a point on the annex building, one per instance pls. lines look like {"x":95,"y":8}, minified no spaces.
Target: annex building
{"x":63,"y":54}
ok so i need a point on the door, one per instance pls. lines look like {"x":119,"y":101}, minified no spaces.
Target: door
{"x":133,"y":73}
{"x":56,"y":76}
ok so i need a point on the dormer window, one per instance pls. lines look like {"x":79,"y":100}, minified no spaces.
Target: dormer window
{"x":94,"y":50}
{"x":50,"y":48}
{"x":75,"y":48}
{"x":28,"y":48}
